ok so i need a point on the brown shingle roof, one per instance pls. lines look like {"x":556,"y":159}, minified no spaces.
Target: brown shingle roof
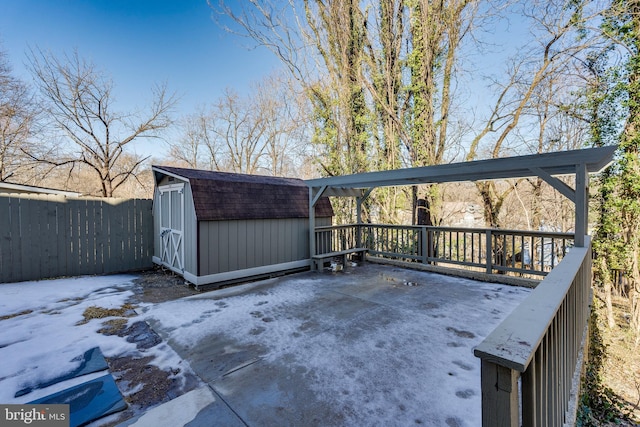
{"x":226,"y":196}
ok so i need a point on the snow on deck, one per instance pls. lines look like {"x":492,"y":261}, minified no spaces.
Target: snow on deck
{"x":374,"y":345}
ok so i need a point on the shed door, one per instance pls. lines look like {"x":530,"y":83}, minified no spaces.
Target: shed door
{"x":172,"y":226}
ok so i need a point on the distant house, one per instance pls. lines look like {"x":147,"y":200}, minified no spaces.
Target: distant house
{"x":215,"y":228}
{"x":5,"y":187}
{"x":463,"y":214}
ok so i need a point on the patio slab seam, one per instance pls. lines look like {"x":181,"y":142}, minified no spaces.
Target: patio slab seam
{"x":223,"y":400}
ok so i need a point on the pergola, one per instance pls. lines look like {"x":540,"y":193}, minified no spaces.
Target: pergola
{"x":547,"y":166}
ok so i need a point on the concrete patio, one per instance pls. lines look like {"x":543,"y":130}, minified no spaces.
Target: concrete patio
{"x":371,"y":345}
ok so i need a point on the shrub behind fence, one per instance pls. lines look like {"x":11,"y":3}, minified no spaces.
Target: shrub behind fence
{"x":53,"y":236}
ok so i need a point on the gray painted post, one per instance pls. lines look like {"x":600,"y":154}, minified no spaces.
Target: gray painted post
{"x":359,"y":221}
{"x":312,"y":228}
{"x":582,"y":205}
{"x":499,"y":395}
{"x":489,"y":250}
{"x":425,"y":244}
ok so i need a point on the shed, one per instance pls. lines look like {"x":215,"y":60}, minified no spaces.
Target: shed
{"x":216,"y":228}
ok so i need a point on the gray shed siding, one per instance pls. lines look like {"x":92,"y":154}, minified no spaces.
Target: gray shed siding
{"x":242,"y":244}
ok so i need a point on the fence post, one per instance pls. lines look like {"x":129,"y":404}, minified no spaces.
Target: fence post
{"x":499,"y":395}
{"x":489,"y":250}
{"x":424,"y":244}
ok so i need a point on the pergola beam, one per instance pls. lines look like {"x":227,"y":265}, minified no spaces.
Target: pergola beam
{"x":562,"y":188}
{"x":555,"y":164}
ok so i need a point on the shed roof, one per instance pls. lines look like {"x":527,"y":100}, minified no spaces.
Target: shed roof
{"x":6,"y":187}
{"x":221,"y":196}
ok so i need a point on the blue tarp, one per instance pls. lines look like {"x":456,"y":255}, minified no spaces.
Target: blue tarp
{"x":91,"y":361}
{"x":88,"y":401}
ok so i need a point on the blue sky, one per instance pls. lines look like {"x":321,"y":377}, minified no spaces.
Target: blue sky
{"x":143,"y":42}
{"x":138,"y":43}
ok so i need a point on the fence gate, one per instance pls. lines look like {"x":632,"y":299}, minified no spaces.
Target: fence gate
{"x":172,"y":226}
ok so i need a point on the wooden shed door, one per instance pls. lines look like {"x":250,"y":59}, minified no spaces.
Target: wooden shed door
{"x":172,"y":226}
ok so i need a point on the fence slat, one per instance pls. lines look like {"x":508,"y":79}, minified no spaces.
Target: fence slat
{"x":48,"y":250}
{"x":30,"y":211}
{"x":90,"y":229}
{"x":16,"y":240}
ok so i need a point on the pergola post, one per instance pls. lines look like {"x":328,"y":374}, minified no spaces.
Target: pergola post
{"x":312,"y":229}
{"x":359,"y":200}
{"x":313,"y":199}
{"x":582,"y":205}
{"x":359,"y":221}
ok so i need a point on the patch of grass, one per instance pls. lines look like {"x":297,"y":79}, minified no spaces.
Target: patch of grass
{"x":77,"y":299}
{"x":11,"y":316}
{"x":95,"y":312}
{"x":51,"y":312}
{"x":113,"y":326}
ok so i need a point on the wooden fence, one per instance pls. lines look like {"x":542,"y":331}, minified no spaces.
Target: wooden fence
{"x":53,"y":236}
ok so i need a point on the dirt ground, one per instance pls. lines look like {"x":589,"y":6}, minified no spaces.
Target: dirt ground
{"x":622,"y":365}
{"x":142,"y":384}
{"x":155,"y":286}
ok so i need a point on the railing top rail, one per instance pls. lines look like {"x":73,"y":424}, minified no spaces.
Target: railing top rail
{"x":549,"y":234}
{"x":553,"y":234}
{"x":335,"y":227}
{"x":513,"y":343}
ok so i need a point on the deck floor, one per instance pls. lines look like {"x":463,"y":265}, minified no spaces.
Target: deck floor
{"x":370,"y":346}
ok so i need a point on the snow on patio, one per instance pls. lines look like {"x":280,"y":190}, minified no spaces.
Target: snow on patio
{"x":374,"y":345}
{"x":43,"y":334}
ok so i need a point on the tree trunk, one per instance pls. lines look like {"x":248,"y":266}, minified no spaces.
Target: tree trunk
{"x":605,"y":278}
{"x":634,"y":294}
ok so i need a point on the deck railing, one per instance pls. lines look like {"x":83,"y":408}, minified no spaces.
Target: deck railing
{"x":492,"y":250}
{"x":539,"y":344}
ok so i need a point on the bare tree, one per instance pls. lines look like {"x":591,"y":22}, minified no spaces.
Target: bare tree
{"x":261,"y":133}
{"x":286,"y":124}
{"x":18,"y":115}
{"x":190,"y":150}
{"x":555,"y":121}
{"x":378,"y":75}
{"x":78,"y":98}
{"x":276,"y":25}
{"x":555,"y":53}
{"x":239,"y":130}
